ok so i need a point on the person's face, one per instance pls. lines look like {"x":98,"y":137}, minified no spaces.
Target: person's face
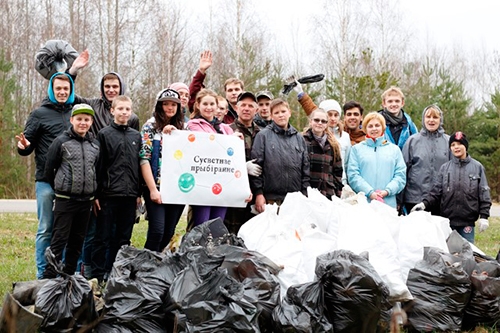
{"x":62,"y":90}
{"x":393,"y":103}
{"x":431,"y":122}
{"x":170,"y":108}
{"x":264,"y":109}
{"x":352,"y":118}
{"x":374,"y":128}
{"x":233,"y":90}
{"x":184,"y":97}
{"x":333,"y":118}
{"x":458,"y":150}
{"x":221,"y":110}
{"x":208,"y":105}
{"x":122,"y":112}
{"x":111,"y":89}
{"x":246,"y":109}
{"x":81,"y":123}
{"x":318,"y":123}
{"x":280,"y":115}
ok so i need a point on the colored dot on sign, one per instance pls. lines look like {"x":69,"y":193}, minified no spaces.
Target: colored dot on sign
{"x":230,"y":151}
{"x":216,"y":188}
{"x":178,"y":154}
{"x":212,"y":137}
{"x":186,"y":182}
{"x":237,"y":174}
{"x":191,"y":137}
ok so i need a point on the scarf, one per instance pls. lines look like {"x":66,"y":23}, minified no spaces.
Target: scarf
{"x":393,"y":119}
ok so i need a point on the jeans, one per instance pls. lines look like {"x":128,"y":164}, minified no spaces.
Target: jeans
{"x":115,"y":223}
{"x":70,"y":225}
{"x":44,"y":205}
{"x":466,"y":232}
{"x":162,"y":220}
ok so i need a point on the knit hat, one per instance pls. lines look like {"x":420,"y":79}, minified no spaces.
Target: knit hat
{"x":177,"y":86}
{"x":459,"y":137}
{"x":82,"y":108}
{"x":330,"y":105}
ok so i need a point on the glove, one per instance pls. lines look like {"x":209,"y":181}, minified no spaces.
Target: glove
{"x":253,"y":168}
{"x":417,"y":207}
{"x":483,"y":225}
{"x":298,"y":88}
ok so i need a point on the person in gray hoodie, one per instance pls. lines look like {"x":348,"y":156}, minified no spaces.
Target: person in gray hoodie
{"x":424,"y":153}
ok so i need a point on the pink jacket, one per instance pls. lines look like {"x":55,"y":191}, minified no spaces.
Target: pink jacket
{"x":201,"y":125}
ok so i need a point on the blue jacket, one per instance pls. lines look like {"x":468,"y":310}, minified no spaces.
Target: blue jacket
{"x":376,"y":165}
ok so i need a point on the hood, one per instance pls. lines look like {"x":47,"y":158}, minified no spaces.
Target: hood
{"x":440,"y":129}
{"x":123,"y":87}
{"x":50,"y":90}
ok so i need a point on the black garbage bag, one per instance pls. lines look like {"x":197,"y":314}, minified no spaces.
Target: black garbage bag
{"x":66,"y":302}
{"x":484,"y":307}
{"x":218,"y":304}
{"x":462,"y":252}
{"x":209,"y":234}
{"x":54,"y":56}
{"x":441,"y":290}
{"x":354,"y":292}
{"x":302,"y":310}
{"x":305,"y":79}
{"x":136,"y":294}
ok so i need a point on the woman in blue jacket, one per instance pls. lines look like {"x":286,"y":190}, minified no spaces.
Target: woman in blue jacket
{"x":375,"y":166}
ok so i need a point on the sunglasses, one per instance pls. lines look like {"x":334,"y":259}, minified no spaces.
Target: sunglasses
{"x":317,"y":121}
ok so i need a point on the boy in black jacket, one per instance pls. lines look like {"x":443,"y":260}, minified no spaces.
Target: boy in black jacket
{"x":118,"y":188}
{"x":70,"y":170}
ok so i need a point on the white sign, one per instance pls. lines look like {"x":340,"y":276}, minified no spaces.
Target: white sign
{"x":201,"y":168}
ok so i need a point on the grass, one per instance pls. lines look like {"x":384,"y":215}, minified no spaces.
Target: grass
{"x":17,"y":244}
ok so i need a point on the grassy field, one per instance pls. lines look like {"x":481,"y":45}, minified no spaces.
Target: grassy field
{"x":17,"y":239}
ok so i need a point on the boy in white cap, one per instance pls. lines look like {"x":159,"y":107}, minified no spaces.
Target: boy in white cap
{"x":461,"y":189}
{"x":70,"y":170}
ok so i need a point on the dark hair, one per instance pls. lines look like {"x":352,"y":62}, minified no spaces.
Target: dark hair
{"x":110,"y":76}
{"x":161,"y":119}
{"x":351,"y":105}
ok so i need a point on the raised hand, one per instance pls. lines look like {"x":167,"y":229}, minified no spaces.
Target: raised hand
{"x":22,"y":142}
{"x":205,"y":61}
{"x":80,"y":62}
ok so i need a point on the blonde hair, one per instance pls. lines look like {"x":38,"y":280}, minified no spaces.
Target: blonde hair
{"x":393,"y":90}
{"x":120,"y":98}
{"x":374,"y":115}
{"x":432,"y":111}
{"x":234,"y":80}
{"x":199,"y":96}
{"x":332,"y":140}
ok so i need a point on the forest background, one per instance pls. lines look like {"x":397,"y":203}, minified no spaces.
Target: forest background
{"x":361,"y":46}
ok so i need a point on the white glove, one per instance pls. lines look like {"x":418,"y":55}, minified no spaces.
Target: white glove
{"x":417,"y":207}
{"x":483,"y":225}
{"x":253,"y":168}
{"x":298,"y":88}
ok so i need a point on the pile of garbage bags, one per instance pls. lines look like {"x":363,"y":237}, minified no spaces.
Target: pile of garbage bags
{"x":311,"y":265}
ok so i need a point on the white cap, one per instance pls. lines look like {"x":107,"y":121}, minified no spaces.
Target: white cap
{"x":330,"y":105}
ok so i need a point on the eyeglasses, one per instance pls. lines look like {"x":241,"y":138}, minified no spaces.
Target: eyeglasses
{"x":317,"y":120}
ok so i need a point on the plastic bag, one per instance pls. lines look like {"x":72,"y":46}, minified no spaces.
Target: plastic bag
{"x":136,"y":293}
{"x":66,"y":302}
{"x":55,"y":56}
{"x":354,"y":292}
{"x":441,"y":290}
{"x":305,"y":79}
{"x":302,"y":310}
{"x":484,"y":305}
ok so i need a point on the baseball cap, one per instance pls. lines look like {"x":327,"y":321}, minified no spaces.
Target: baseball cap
{"x":264,"y":93}
{"x":246,"y":94}
{"x":82,"y":108}
{"x":169,"y":95}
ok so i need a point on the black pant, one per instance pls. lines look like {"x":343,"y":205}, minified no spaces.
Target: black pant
{"x":115,"y":223}
{"x":70,"y":226}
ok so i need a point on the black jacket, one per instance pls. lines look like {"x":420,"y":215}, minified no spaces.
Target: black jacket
{"x":44,"y":124}
{"x":71,"y":165}
{"x":284,"y":159}
{"x":118,"y":166}
{"x":461,"y":189}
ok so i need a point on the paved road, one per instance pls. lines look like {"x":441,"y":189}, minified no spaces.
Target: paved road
{"x":29,"y":206}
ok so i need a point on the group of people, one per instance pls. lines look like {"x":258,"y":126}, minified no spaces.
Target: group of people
{"x":91,"y":155}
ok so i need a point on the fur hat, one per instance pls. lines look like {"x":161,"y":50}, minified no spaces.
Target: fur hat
{"x":459,"y":137}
